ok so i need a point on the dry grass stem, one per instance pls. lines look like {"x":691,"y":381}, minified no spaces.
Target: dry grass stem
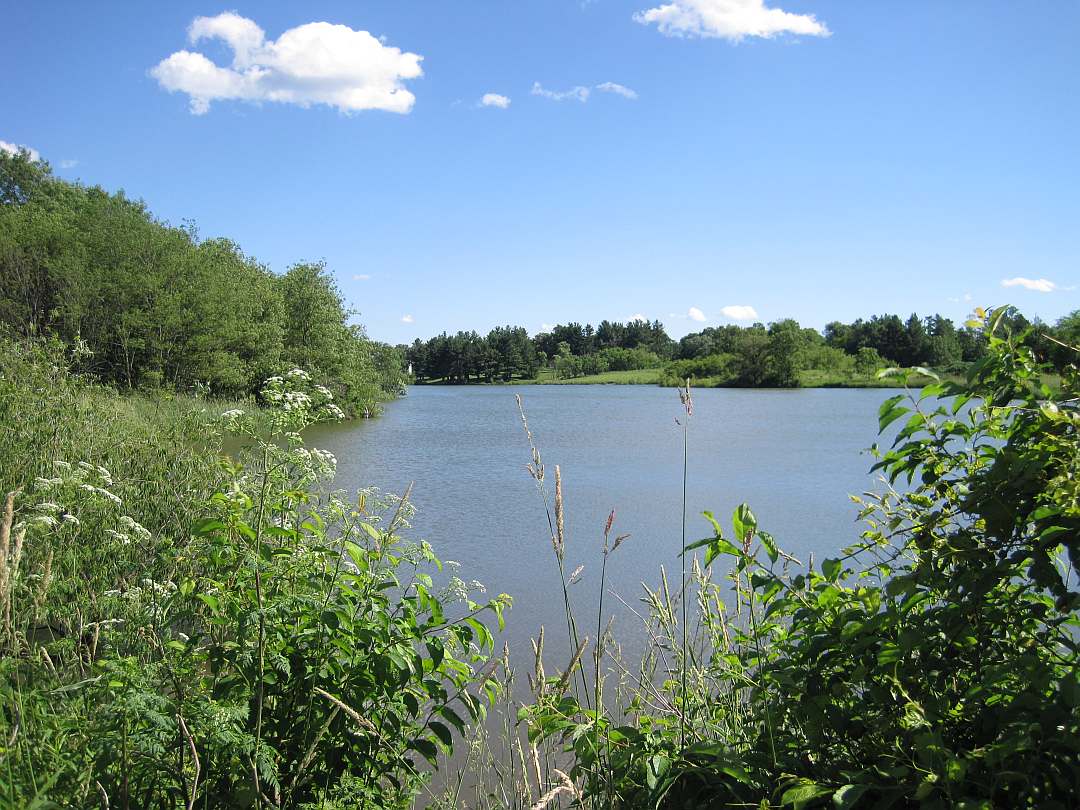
{"x":565,"y":678}
{"x":560,"y":536}
{"x":565,"y":786}
{"x":351,"y":712}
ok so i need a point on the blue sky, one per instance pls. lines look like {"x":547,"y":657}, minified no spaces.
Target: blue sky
{"x":804,"y":158}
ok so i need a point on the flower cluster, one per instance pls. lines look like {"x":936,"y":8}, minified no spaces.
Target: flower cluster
{"x":315,"y":462}
{"x":81,"y":492}
{"x":86,"y":477}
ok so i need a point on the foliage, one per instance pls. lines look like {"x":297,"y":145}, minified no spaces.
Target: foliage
{"x":154,"y":305}
{"x":508,"y":353}
{"x":178,"y":632}
{"x":934,"y":664}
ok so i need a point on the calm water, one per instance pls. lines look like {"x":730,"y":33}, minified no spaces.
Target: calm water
{"x":794,"y":456}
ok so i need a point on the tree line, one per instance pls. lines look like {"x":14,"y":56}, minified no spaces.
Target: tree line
{"x":775,"y":355}
{"x":146,"y":304}
{"x":569,"y":350}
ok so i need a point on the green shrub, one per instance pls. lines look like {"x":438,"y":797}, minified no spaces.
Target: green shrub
{"x":933,"y":664}
{"x":179,"y":632}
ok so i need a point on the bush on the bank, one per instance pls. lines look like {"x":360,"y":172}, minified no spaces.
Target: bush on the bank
{"x":175,"y":632}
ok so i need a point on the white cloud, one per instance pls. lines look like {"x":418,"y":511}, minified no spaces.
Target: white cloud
{"x":637,"y":316}
{"x":14,"y":149}
{"x":696,"y":314}
{"x":68,"y":164}
{"x":618,"y":89}
{"x":361,"y":277}
{"x":546,"y":327}
{"x":739,"y":312}
{"x":495,"y":100}
{"x":576,"y":93}
{"x":408,"y":319}
{"x":1042,"y":285}
{"x":314,"y":63}
{"x":733,"y":20}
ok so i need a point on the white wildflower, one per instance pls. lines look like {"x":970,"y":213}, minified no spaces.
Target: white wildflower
{"x":61,"y":465}
{"x":47,"y":506}
{"x":106,"y":494}
{"x":235,"y":413}
{"x":322,"y":389}
{"x":74,"y":521}
{"x":134,"y":527}
{"x":48,"y":521}
{"x":296,"y":400}
{"x":298,"y":374}
{"x":47,"y":483}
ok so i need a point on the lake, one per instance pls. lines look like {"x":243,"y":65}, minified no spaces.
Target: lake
{"x":793,"y":455}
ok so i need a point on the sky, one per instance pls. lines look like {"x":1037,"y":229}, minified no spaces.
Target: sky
{"x":700,"y":162}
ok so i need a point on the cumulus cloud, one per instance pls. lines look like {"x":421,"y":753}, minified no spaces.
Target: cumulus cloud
{"x":1042,"y":285}
{"x":314,"y":63}
{"x":733,"y":20}
{"x":739,"y":312}
{"x":696,"y":314}
{"x":574,"y":93}
{"x":68,"y":164}
{"x":14,"y":149}
{"x":495,"y":100}
{"x":546,"y":327}
{"x":408,"y":319}
{"x":637,"y":316}
{"x":618,"y":89}
{"x":361,"y":277}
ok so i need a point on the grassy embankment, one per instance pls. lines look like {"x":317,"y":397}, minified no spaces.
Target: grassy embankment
{"x":179,"y":629}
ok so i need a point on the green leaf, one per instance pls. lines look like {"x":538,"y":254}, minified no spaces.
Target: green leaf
{"x":426,"y":748}
{"x":831,"y":569}
{"x":847,"y":796}
{"x":803,"y":794}
{"x":443,"y":733}
{"x":715,"y":546}
{"x":356,"y":554}
{"x":454,"y":718}
{"x":744,"y":522}
{"x":436,"y":651}
{"x":887,"y":417}
{"x":715,"y":523}
{"x":771,"y":548}
{"x":207,"y":526}
{"x":211,"y":602}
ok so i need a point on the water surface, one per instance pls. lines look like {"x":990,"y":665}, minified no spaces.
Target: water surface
{"x":793,"y":455}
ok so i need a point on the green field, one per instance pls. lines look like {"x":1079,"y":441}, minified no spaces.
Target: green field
{"x":645,"y":376}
